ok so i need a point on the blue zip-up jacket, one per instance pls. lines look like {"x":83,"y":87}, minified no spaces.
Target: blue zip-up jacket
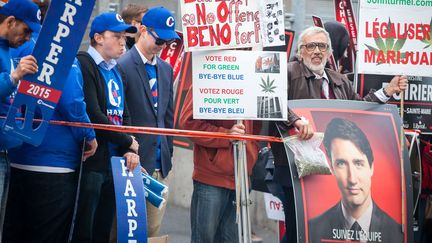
{"x":6,"y":88}
{"x":62,"y":145}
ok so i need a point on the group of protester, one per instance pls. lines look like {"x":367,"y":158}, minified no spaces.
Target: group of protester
{"x":102,"y":88}
{"x":120,"y":80}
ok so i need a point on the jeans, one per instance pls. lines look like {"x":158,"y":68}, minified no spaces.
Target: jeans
{"x":96,"y":207}
{"x":3,"y":188}
{"x":39,"y":206}
{"x":213,"y":214}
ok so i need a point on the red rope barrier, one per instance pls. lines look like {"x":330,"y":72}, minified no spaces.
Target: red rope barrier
{"x":163,"y":131}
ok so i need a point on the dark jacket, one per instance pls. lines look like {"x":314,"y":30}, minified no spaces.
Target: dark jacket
{"x":339,"y":38}
{"x":302,"y":85}
{"x":340,"y":42}
{"x":322,"y":226}
{"x":140,"y":104}
{"x":96,"y":100}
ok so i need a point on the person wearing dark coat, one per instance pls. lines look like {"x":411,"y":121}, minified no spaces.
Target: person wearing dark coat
{"x":309,"y":79}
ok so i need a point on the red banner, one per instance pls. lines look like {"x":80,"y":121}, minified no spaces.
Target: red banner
{"x":351,"y":24}
{"x":173,"y":54}
{"x":345,"y":15}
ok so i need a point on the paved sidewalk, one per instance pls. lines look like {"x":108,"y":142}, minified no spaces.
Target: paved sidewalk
{"x":176,"y":224}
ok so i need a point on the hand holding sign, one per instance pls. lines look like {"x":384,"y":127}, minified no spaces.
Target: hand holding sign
{"x":130,"y":202}
{"x":132,"y":160}
{"x":397,"y":84}
{"x":40,"y":88}
{"x":27,"y":65}
{"x":237,"y":129}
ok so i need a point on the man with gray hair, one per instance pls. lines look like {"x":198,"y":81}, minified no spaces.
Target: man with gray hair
{"x":309,"y":79}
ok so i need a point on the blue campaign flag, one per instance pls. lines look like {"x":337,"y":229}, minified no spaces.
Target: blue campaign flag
{"x":55,"y":50}
{"x":154,"y":185}
{"x":130,"y":203}
{"x":153,"y":198}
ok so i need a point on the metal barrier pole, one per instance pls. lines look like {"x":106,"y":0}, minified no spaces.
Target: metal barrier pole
{"x":242,"y":191}
{"x":237,"y":189}
{"x":245,"y":195}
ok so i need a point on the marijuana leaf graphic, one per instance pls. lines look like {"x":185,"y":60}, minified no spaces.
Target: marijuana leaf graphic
{"x":268,"y":61}
{"x":389,"y":45}
{"x":267,"y":85}
{"x":428,"y":41}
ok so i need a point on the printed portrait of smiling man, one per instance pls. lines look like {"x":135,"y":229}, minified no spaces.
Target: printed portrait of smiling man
{"x":356,"y":217}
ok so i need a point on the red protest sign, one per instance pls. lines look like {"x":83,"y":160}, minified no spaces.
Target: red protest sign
{"x":216,"y":24}
{"x":173,"y":54}
{"x":344,"y":14}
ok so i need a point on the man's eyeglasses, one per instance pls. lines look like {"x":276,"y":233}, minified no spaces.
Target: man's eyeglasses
{"x":160,"y":41}
{"x":311,"y":46}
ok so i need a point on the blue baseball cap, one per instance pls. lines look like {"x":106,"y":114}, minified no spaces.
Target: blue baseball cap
{"x":112,"y":22}
{"x":24,"y":10}
{"x":161,"y":21}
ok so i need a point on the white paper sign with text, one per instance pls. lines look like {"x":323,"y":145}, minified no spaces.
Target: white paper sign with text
{"x":395,"y":37}
{"x":239,"y":85}
{"x":274,"y":207}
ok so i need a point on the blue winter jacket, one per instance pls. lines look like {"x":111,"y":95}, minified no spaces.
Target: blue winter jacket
{"x":6,"y":88}
{"x":62,"y":145}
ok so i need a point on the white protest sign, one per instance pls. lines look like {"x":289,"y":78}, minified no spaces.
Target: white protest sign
{"x":395,"y":37}
{"x":215,"y":24}
{"x":239,"y":85}
{"x":272,"y":23}
{"x":274,"y":207}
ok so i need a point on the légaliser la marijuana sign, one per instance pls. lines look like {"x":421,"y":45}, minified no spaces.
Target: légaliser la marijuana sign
{"x":395,"y":37}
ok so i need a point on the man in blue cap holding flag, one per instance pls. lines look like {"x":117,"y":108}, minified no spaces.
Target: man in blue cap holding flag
{"x":149,"y":95}
{"x":18,"y":19}
{"x":42,"y":183}
{"x":103,"y":91}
